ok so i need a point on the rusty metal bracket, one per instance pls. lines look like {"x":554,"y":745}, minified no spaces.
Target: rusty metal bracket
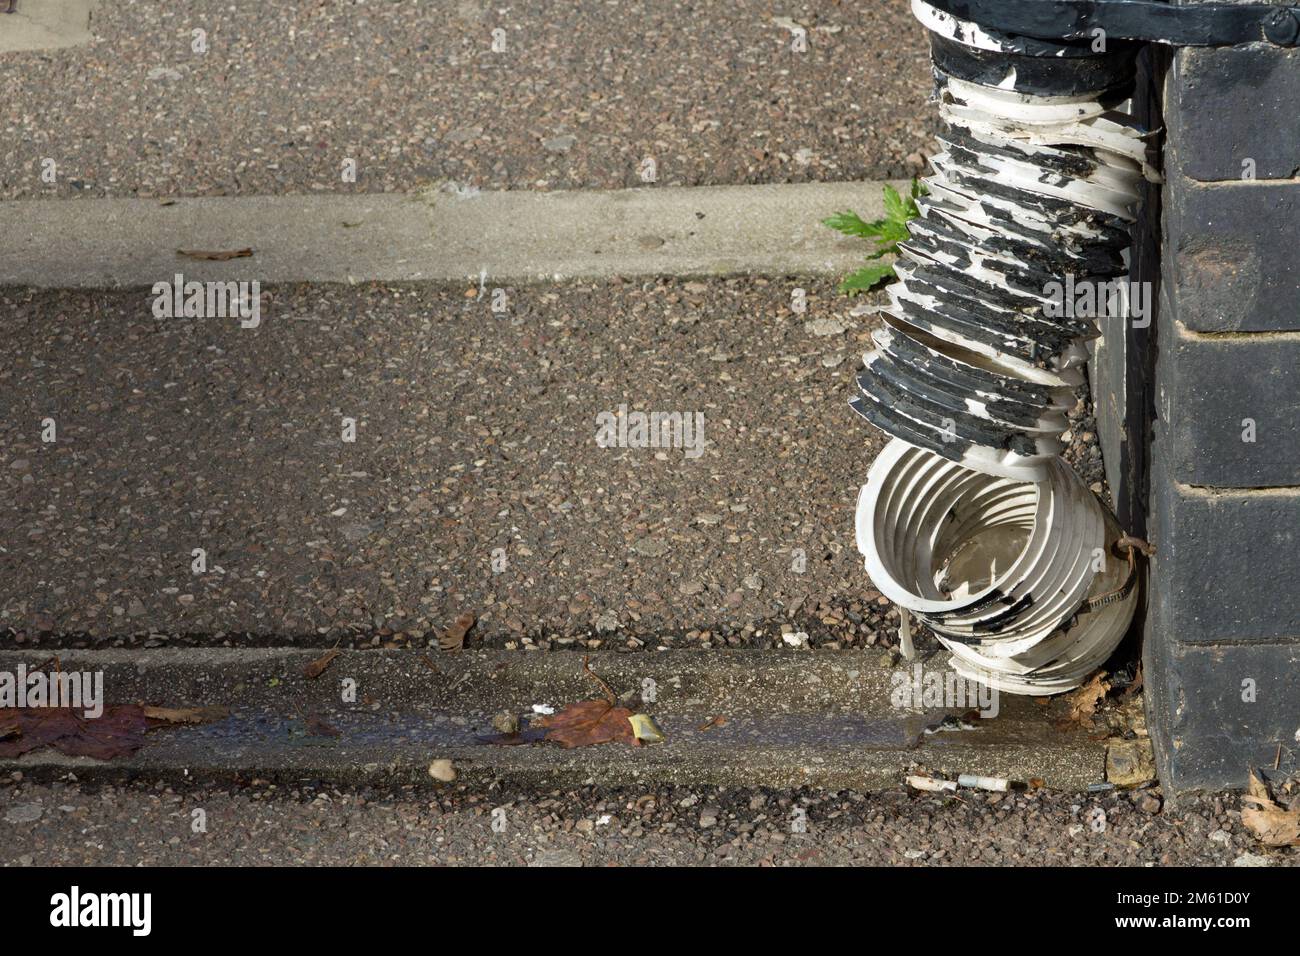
{"x":1149,"y":21}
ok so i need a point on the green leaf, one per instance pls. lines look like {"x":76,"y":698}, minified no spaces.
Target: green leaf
{"x":895,"y":232}
{"x":887,"y":233}
{"x":866,"y":278}
{"x":895,"y":210}
{"x":851,"y":224}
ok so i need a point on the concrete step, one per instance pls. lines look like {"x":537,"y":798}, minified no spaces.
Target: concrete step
{"x":792,"y":718}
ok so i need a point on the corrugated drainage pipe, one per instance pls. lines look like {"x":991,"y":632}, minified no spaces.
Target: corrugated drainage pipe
{"x":969,"y":518}
{"x":1021,"y":581}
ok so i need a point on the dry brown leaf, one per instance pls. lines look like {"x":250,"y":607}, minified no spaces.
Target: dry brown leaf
{"x":1083,"y":703}
{"x":117,"y":732}
{"x":218,"y":256}
{"x":718,"y":721}
{"x":588,"y":723}
{"x":318,"y":727}
{"x":317,"y":667}
{"x":1272,"y":824}
{"x":453,"y":639}
{"x":186,"y":715}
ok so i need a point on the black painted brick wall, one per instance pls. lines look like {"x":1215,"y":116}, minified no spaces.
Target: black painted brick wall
{"x":1222,"y":652}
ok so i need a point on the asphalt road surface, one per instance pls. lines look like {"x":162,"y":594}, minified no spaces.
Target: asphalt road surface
{"x":68,"y":823}
{"x":477,"y":481}
{"x":580,"y":96}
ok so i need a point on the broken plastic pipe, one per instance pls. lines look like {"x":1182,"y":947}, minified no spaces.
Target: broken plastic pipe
{"x":1002,"y":571}
{"x":970,"y":520}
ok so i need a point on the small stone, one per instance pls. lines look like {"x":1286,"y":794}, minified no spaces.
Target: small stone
{"x":1252,"y":859}
{"x":1130,"y":762}
{"x":506,"y":722}
{"x":24,"y":813}
{"x":709,"y":818}
{"x":442,"y":770}
{"x":559,"y":144}
{"x":463,"y":135}
{"x":606,"y":622}
{"x":825,"y":327}
{"x":1150,"y":803}
{"x":651,"y":547}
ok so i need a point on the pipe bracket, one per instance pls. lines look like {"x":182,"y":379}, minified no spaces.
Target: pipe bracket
{"x":1148,"y":21}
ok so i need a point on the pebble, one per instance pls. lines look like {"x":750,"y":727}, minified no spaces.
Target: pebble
{"x":24,"y":813}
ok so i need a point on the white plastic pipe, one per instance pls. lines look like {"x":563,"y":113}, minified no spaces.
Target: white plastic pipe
{"x":998,"y":569}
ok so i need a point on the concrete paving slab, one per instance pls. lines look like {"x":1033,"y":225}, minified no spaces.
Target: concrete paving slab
{"x":439,"y":235}
{"x":45,"y":24}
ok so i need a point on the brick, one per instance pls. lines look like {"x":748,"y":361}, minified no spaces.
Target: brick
{"x":1207,"y":730}
{"x":1230,"y":255}
{"x":1230,"y":104}
{"x":1211,"y":390}
{"x":1225,"y":565}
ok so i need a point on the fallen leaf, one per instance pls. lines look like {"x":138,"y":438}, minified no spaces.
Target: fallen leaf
{"x":718,"y":721}
{"x":645,"y":728}
{"x":218,"y":256}
{"x":317,"y":667}
{"x":1083,"y":703}
{"x":589,"y":723}
{"x":317,"y":727}
{"x":186,"y":715}
{"x":1272,"y":824}
{"x":453,"y":639}
{"x":117,"y":732}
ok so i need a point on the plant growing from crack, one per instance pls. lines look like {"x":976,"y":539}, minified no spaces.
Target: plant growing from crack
{"x":886,"y":233}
